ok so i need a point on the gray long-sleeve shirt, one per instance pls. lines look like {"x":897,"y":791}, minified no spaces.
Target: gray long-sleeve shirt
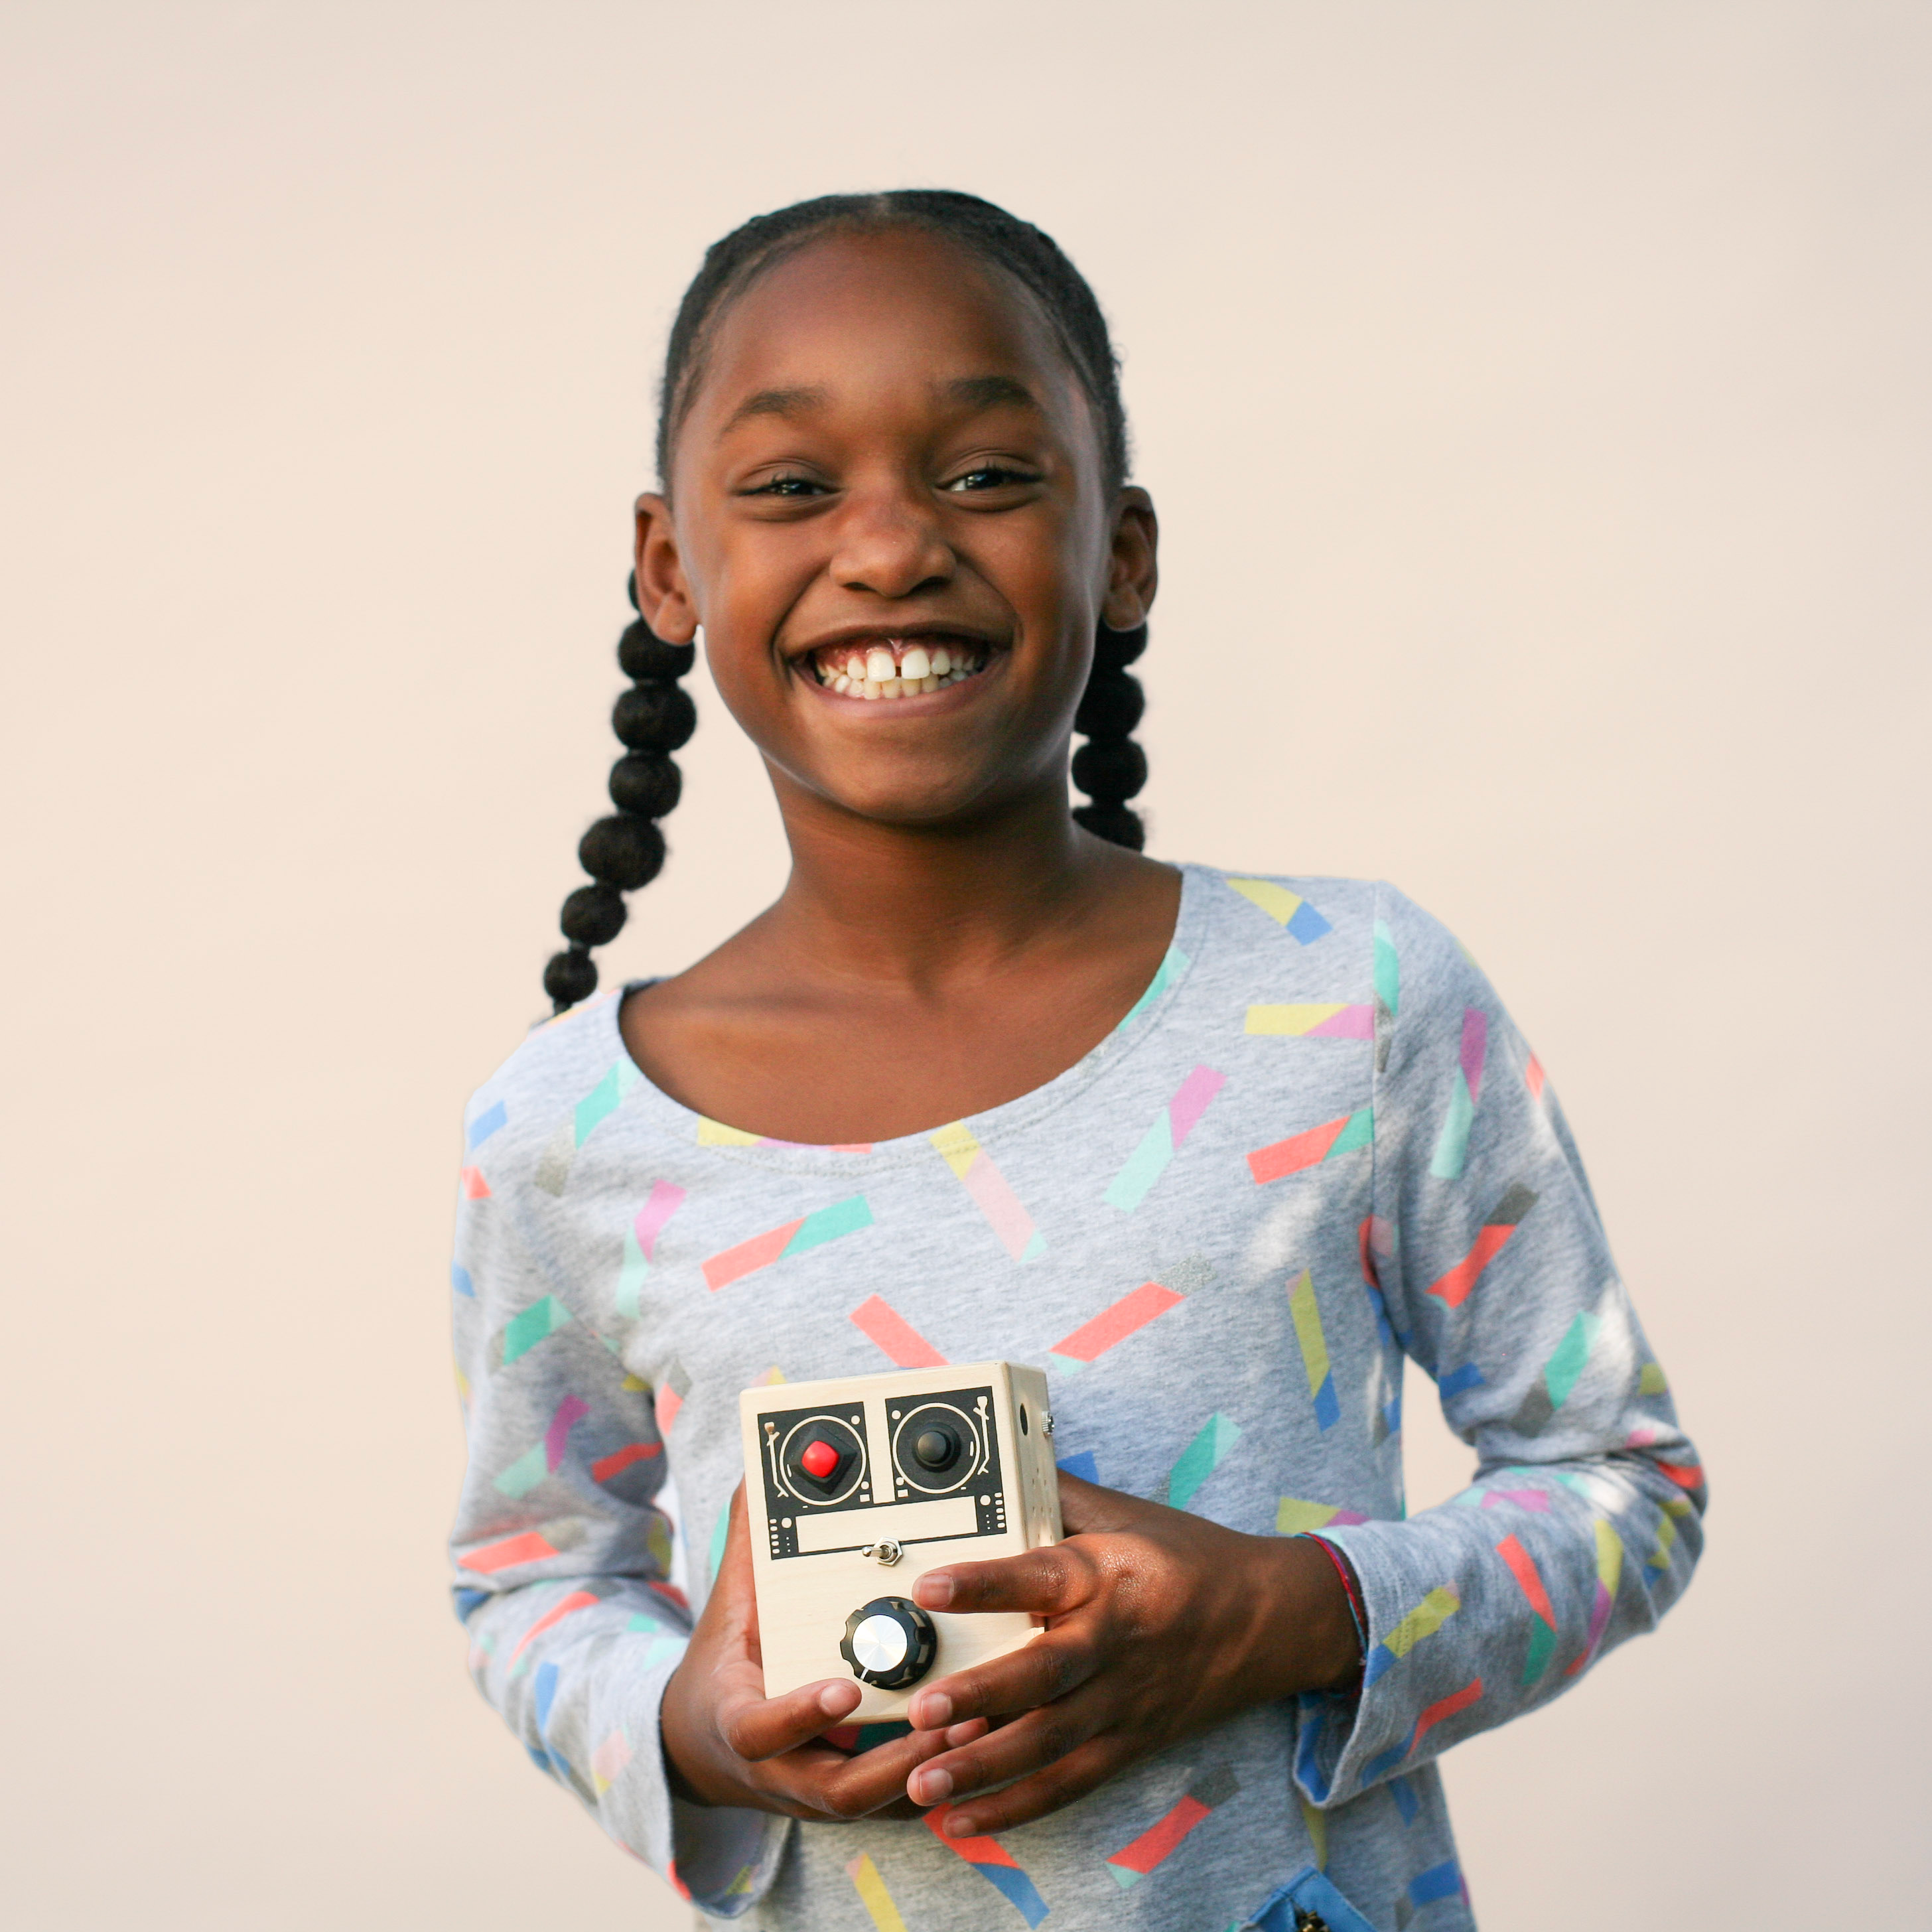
{"x":1315,"y":1143}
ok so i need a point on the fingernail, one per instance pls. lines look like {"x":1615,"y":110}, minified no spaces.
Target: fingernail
{"x":965,"y":1733}
{"x":934,"y":1787}
{"x":959,"y":1826}
{"x":936,"y":1712}
{"x":831,"y":1699}
{"x":934,"y":1590}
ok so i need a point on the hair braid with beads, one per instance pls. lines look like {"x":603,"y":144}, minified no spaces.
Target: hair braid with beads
{"x":625,"y":850}
{"x":655,"y":717}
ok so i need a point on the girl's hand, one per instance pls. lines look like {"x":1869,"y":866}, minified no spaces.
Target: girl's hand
{"x":1159,"y":1625}
{"x":725,"y":1743}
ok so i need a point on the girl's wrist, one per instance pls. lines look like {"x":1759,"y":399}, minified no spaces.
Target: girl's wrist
{"x":1309,"y":1637}
{"x":1358,"y":1612}
{"x":683,"y":1758}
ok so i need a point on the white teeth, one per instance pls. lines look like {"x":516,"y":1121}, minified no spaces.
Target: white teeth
{"x":873,"y":673}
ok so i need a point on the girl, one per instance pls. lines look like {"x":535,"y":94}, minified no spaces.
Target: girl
{"x":1215,"y":1150}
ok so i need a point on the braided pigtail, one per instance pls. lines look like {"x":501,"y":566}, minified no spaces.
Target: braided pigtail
{"x":1110,"y":768}
{"x":652,"y":719}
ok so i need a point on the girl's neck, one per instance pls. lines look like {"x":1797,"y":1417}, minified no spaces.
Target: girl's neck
{"x":919,"y":908}
{"x":909,"y":976}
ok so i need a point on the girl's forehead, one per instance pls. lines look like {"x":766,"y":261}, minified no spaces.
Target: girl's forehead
{"x":852,"y":315}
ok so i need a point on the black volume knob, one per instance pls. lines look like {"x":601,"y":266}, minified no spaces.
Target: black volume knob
{"x":890,"y":1642}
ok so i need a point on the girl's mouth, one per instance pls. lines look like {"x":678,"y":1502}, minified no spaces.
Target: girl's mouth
{"x":897,"y":667}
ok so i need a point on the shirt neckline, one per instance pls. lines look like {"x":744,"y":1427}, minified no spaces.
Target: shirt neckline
{"x":649,"y":1105}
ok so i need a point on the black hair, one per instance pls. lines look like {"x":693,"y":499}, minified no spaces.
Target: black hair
{"x":1031,"y":257}
{"x":655,"y":717}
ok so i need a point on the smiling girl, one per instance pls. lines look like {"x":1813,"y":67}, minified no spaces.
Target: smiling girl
{"x":1217,"y":1151}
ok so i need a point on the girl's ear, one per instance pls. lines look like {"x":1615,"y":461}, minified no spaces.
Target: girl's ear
{"x":1133,"y":575}
{"x":665,"y":601}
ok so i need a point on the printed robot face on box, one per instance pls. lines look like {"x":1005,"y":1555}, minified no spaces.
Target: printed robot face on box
{"x":856,"y":1487}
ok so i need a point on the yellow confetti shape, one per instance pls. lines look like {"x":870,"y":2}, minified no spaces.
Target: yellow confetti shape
{"x":1295,"y":1516}
{"x":957,"y":1148}
{"x":1317,"y":1824}
{"x":1676,"y":1509}
{"x":657,"y":1540}
{"x":1651,"y":1381}
{"x":873,"y":1895}
{"x":715,"y":1133}
{"x":1291,"y":1020}
{"x":1307,"y":1318}
{"x":1426,"y":1618}
{"x":1277,"y":902}
{"x":1610,"y":1557}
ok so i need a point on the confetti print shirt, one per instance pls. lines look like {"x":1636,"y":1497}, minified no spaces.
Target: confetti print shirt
{"x":1316,"y":1144}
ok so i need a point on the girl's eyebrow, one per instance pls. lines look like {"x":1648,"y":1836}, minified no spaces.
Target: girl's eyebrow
{"x":777,"y":403}
{"x":986,"y":391}
{"x":979,"y":392}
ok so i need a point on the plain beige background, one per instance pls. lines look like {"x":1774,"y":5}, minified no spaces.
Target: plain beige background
{"x":1536,"y":397}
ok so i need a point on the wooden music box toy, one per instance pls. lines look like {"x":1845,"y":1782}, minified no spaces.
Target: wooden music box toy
{"x":856,"y":1487}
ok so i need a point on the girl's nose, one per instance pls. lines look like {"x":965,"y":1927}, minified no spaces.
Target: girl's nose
{"x":892,"y":546}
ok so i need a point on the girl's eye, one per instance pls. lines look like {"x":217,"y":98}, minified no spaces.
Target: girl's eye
{"x":991,"y":476}
{"x":787,"y":486}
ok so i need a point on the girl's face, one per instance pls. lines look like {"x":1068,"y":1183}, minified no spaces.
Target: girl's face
{"x":892,"y":520}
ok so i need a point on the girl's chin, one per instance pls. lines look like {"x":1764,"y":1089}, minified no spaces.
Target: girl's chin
{"x":896,"y":803}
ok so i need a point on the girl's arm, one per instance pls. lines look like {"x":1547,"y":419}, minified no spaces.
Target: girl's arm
{"x":1489,"y":1263}
{"x":1485,"y":1261}
{"x":563,"y":1560}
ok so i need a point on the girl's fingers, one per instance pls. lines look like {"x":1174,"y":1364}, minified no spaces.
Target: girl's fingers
{"x":1070,"y":1777}
{"x":1055,"y":1662}
{"x":757,"y":1728}
{"x":733,"y":1599}
{"x":1044,"y":1582}
{"x":818,"y":1781}
{"x":1028,"y":1744}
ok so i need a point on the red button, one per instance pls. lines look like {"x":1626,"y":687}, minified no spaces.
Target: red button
{"x":819,"y":1460}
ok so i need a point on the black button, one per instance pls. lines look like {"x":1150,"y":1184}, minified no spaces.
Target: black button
{"x":889,"y":1642}
{"x":936,"y":1449}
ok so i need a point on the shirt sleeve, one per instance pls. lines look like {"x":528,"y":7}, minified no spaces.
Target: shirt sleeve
{"x":1484,"y":1255}
{"x":562,"y":1559}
